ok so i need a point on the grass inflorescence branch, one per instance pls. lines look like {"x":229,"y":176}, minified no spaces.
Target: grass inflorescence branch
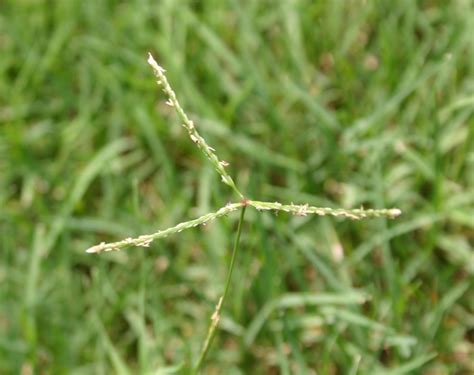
{"x":295,"y":209}
{"x":305,"y":209}
{"x":146,"y":239}
{"x":219,"y":165}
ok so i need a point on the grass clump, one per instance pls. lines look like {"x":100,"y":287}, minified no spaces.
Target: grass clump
{"x":331,"y":104}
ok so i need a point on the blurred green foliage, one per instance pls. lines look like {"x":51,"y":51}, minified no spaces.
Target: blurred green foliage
{"x":331,"y":103}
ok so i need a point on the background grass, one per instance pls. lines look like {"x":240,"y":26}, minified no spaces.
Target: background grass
{"x":332,"y":103}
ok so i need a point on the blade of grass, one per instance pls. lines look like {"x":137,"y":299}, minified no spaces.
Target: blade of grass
{"x":298,"y":300}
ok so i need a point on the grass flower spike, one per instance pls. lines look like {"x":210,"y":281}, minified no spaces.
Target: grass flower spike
{"x":145,"y":240}
{"x":219,"y":166}
{"x":298,"y":210}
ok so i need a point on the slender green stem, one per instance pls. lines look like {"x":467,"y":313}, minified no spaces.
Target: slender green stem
{"x":216,"y":316}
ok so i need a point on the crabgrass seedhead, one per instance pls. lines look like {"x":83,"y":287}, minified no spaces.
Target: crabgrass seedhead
{"x":219,"y":166}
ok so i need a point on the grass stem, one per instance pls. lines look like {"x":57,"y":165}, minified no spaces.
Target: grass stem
{"x":217,"y":313}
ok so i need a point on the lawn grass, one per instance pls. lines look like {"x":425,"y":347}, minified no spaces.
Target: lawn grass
{"x":339,"y":104}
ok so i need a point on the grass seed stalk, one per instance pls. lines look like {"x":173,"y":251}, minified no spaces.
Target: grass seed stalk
{"x":219,"y":166}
